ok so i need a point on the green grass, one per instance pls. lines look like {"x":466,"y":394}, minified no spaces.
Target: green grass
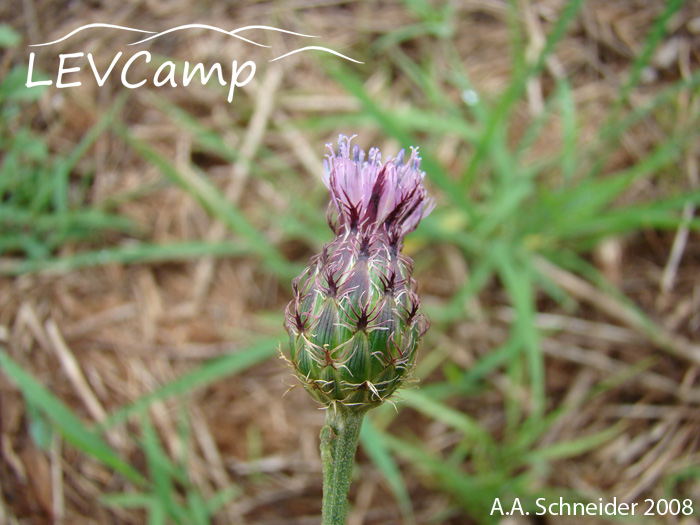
{"x":38,"y":212}
{"x":156,"y":487}
{"x":499,"y":211}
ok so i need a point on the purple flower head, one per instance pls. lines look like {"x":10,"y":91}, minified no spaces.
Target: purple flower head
{"x":355,"y":321}
{"x":370,"y":197}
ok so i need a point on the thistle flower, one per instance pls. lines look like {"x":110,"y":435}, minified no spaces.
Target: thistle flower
{"x":355,"y":321}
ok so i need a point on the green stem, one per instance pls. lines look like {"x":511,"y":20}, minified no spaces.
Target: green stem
{"x":339,"y":438}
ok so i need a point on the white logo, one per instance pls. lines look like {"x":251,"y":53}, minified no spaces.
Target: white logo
{"x":167,"y":72}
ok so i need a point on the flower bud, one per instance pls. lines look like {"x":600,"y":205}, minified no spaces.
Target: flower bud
{"x":355,"y":321}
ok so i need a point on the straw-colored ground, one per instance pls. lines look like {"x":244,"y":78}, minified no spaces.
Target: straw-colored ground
{"x":101,"y":337}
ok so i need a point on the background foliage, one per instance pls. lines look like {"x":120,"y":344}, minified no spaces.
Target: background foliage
{"x":148,"y":239}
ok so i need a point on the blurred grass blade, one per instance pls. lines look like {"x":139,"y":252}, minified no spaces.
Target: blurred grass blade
{"x":65,"y":421}
{"x":198,"y":509}
{"x":215,"y":202}
{"x":518,"y":281}
{"x":655,"y":36}
{"x":128,"y":254}
{"x":128,"y":500}
{"x":440,"y":412}
{"x":135,"y":500}
{"x":455,"y":309}
{"x":160,"y":468}
{"x":475,"y":493}
{"x":515,"y":90}
{"x":575,"y":447}
{"x":65,"y":165}
{"x":374,"y":447}
{"x":221,"y":498}
{"x":209,"y":140}
{"x":567,"y":107}
{"x":488,"y":363}
{"x":610,"y":134}
{"x":207,"y":373}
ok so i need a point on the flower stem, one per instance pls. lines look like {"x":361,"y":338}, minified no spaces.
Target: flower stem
{"x":339,"y":438}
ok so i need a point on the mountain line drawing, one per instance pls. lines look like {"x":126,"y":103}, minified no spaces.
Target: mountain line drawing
{"x":234,"y":33}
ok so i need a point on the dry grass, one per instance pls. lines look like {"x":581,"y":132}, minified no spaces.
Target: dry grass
{"x":100,"y":338}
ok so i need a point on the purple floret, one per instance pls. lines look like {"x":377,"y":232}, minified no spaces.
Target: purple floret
{"x":370,"y":197}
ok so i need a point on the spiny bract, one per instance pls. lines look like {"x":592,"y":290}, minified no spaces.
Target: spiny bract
{"x":355,"y":320}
